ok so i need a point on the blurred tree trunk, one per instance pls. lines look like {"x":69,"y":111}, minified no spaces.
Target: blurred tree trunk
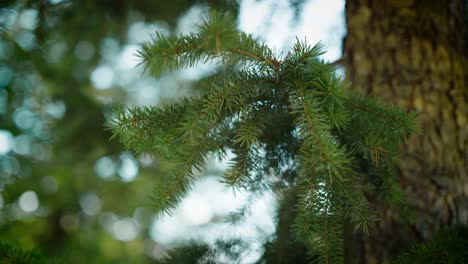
{"x":413,"y":53}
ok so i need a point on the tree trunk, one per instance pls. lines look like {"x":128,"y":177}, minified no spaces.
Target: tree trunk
{"x":413,"y":53}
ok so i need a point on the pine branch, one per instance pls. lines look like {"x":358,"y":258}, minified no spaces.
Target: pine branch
{"x":448,"y":246}
{"x":315,"y":132}
{"x":271,"y":112}
{"x":218,"y":41}
{"x":13,"y":255}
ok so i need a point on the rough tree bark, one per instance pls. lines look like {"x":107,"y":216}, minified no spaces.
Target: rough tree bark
{"x":413,"y":53}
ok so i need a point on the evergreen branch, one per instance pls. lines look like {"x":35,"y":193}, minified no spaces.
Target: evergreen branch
{"x":223,"y":100}
{"x":270,"y":112}
{"x":326,"y":211}
{"x":168,"y":198}
{"x":143,"y":129}
{"x":318,"y":220}
{"x":302,"y":52}
{"x":447,"y":246}
{"x":397,"y":121}
{"x":316,"y":134}
{"x":242,"y":167}
{"x":218,"y":40}
{"x":10,"y":255}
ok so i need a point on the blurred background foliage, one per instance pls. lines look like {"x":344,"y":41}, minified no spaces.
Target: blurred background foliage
{"x":65,"y":189}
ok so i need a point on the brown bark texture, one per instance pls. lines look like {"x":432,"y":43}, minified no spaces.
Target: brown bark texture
{"x":413,"y":53}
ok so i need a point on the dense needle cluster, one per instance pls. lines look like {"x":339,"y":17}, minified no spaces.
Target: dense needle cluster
{"x":289,"y":120}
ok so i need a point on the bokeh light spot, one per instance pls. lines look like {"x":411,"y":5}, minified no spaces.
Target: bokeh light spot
{"x":24,"y":118}
{"x":28,"y":19}
{"x":23,"y":145}
{"x":102,"y":77}
{"x":5,"y":76}
{"x":105,"y":167}
{"x":128,"y":168}
{"x":125,"y":229}
{"x":9,"y":165}
{"x":109,"y":48}
{"x":55,"y":2}
{"x":56,"y":109}
{"x":26,"y":40}
{"x":6,"y":141}
{"x":84,"y":50}
{"x":28,"y":201}
{"x":90,"y":203}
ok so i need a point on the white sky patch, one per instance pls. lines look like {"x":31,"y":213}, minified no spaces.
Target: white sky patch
{"x":221,"y":199}
{"x":140,"y":32}
{"x":269,"y":19}
{"x":128,"y":59}
{"x":208,"y":199}
{"x":196,"y":210}
{"x":211,"y":201}
{"x":251,"y":14}
{"x":197,"y":72}
{"x":224,"y":163}
{"x":168,"y":229}
{"x":320,"y":20}
{"x":188,"y":23}
{"x":146,"y":91}
{"x":323,"y":20}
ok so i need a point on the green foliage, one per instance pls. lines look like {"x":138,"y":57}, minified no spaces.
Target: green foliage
{"x":40,"y":70}
{"x":195,"y":252}
{"x":447,"y":247}
{"x":285,"y":247}
{"x":189,"y":254}
{"x":12,"y":255}
{"x":276,"y":114}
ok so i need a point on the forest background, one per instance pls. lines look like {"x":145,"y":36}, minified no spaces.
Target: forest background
{"x":66,"y":65}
